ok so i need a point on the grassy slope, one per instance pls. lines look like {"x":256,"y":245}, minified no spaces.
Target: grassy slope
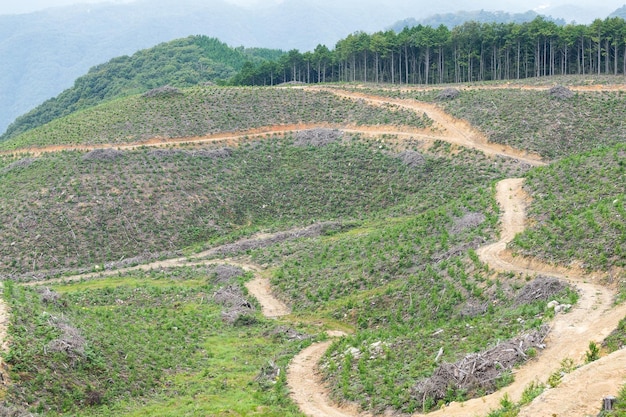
{"x":64,"y":210}
{"x":533,"y":120}
{"x":204,"y":110}
{"x":578,"y":211}
{"x":181,"y":63}
{"x":154,"y":344}
{"x":401,"y":279}
{"x":404,"y":272}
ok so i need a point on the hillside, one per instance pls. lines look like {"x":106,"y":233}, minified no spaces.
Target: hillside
{"x":180,"y":63}
{"x":43,"y":53}
{"x":198,"y":111}
{"x":143,"y":238}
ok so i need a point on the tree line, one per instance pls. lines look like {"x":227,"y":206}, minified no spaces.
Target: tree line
{"x":467,"y":53}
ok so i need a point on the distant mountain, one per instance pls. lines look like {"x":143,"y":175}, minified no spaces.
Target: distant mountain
{"x":41,"y":54}
{"x":621,"y":12}
{"x":482,"y":16}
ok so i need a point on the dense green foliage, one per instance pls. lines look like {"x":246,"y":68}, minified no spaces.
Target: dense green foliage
{"x":467,"y":53}
{"x":578,"y":211}
{"x":142,"y":344}
{"x":204,"y":110}
{"x":182,"y":63}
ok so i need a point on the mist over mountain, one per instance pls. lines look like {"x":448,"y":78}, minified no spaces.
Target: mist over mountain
{"x":482,"y":16}
{"x":42,"y":53}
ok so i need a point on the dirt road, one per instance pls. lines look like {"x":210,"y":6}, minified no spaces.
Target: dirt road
{"x":307,"y":389}
{"x":450,"y":129}
{"x":592,"y":319}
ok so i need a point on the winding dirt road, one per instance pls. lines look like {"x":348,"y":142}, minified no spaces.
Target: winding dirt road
{"x":592,"y":319}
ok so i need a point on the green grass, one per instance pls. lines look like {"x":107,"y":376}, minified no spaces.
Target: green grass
{"x":400,"y":277}
{"x":205,"y":110}
{"x":578,"y":210}
{"x":534,"y":121}
{"x":155,"y":344}
{"x":401,"y":270}
{"x":510,"y":409}
{"x":399,"y":295}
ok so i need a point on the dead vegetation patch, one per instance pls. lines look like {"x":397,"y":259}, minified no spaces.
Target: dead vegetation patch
{"x":223,"y":274}
{"x":235,"y":306}
{"x":541,"y":288}
{"x":20,"y":163}
{"x":103,"y":155}
{"x":255,"y":243}
{"x":459,"y":249}
{"x":473,"y":308}
{"x":467,"y":221}
{"x":317,"y":137}
{"x":165,"y":91}
{"x":286,"y":333}
{"x":479,"y":372}
{"x":11,"y":410}
{"x":412,"y":159}
{"x":448,"y":94}
{"x":219,"y":153}
{"x":71,"y":342}
{"x":560,"y":93}
{"x":269,"y":374}
{"x":48,"y":296}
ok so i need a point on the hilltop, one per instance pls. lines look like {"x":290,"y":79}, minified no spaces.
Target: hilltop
{"x":134,"y":229}
{"x":180,"y":63}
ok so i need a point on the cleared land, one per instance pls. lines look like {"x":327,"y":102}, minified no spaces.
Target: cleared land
{"x":456,"y":230}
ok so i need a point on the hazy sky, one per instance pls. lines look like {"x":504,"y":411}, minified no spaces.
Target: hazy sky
{"x":603,"y":7}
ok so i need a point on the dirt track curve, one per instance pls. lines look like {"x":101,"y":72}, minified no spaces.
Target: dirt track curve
{"x":593,"y":317}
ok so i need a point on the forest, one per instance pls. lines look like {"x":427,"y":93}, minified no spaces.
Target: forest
{"x":471,"y":52}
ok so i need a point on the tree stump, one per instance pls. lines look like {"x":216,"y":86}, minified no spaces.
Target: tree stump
{"x":608,"y":403}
